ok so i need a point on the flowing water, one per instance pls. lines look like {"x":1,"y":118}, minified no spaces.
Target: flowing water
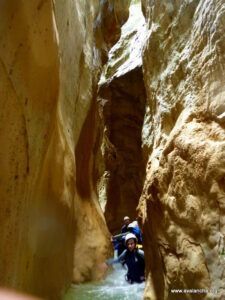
{"x":114,"y":287}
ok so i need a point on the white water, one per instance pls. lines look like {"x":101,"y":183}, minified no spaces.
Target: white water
{"x":114,"y":287}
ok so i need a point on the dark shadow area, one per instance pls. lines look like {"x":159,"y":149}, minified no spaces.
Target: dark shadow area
{"x":123,"y":114}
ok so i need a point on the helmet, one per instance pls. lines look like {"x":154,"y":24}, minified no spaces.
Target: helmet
{"x":126,"y":218}
{"x":130,"y":236}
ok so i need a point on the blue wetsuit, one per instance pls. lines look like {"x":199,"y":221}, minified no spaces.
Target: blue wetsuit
{"x":135,"y":262}
{"x":137,"y":232}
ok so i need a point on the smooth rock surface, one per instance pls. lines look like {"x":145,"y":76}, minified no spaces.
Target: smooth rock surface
{"x":51,"y":225}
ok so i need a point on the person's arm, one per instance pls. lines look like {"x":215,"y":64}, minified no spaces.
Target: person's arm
{"x":141,"y":253}
{"x":120,"y":236}
{"x":119,"y":259}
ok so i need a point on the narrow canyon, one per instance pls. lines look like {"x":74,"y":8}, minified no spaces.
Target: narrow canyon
{"x":111,"y":108}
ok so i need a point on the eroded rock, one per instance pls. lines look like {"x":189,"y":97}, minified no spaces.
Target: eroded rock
{"x":122,"y":108}
{"x":182,"y":203}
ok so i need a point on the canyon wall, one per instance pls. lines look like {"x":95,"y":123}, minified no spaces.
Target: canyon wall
{"x":121,"y":102}
{"x":159,"y":117}
{"x":183,"y":200}
{"x":51,"y":225}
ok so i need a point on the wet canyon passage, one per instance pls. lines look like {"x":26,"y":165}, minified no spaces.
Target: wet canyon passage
{"x":122,"y":104}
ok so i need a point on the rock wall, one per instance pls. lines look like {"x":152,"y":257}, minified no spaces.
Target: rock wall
{"x":168,"y":112}
{"x":183,"y":200}
{"x":121,"y":100}
{"x":51,"y":226}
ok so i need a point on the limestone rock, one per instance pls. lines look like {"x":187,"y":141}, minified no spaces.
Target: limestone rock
{"x":183,"y":200}
{"x":52,"y":228}
{"x":121,"y":100}
{"x":111,"y":16}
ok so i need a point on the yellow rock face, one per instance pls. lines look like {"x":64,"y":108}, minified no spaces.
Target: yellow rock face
{"x":52,"y":230}
{"x":183,"y":201}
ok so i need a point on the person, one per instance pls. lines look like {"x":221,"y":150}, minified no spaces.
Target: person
{"x":135,"y":229}
{"x":119,"y":239}
{"x":126,"y":221}
{"x":133,"y":258}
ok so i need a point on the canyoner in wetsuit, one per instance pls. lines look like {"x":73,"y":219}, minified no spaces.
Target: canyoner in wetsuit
{"x":133,"y":258}
{"x":134,"y":228}
{"x":119,"y":239}
{"x":126,"y":222}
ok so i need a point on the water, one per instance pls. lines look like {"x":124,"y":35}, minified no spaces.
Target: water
{"x":114,"y":287}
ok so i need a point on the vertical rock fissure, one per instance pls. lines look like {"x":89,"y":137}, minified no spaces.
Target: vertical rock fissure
{"x":123,"y":108}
